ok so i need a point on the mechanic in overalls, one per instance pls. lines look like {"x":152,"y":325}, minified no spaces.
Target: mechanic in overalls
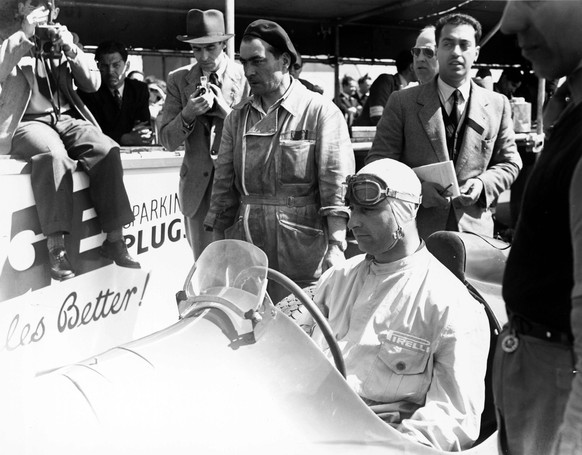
{"x":284,"y":155}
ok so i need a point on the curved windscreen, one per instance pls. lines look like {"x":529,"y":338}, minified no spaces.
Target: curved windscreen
{"x":232,"y":270}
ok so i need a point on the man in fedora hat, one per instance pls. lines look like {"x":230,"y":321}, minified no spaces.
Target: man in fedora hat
{"x":284,"y":155}
{"x":194,"y":112}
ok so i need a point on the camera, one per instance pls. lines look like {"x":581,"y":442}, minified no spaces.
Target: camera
{"x":203,"y":85}
{"x":45,"y":34}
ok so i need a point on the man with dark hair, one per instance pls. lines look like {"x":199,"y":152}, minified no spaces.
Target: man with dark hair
{"x":509,"y":81}
{"x":121,"y":105}
{"x":347,"y":101}
{"x":44,"y":122}
{"x":537,"y":375}
{"x":284,"y":156}
{"x":364,"y":84}
{"x":383,"y":87}
{"x":194,"y":113}
{"x":452,"y":118}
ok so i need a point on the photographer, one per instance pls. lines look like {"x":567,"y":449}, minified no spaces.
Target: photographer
{"x":198,"y":98}
{"x":44,"y":122}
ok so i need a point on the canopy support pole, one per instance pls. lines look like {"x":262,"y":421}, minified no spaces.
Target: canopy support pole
{"x":229,"y":17}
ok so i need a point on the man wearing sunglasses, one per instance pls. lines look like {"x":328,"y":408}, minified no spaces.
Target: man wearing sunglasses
{"x":452,"y":118}
{"x":424,"y":60}
{"x":415,"y":342}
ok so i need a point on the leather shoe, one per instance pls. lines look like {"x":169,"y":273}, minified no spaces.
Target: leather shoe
{"x":61,"y":268}
{"x":117,"y":252}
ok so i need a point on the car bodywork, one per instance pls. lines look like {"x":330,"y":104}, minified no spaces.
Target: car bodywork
{"x":234,"y":375}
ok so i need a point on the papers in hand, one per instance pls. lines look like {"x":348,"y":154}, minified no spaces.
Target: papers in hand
{"x":442,"y":173}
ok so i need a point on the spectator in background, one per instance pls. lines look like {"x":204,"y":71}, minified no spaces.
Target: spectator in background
{"x":424,"y":60}
{"x":295,"y":71}
{"x":54,"y":131}
{"x":509,"y":81}
{"x":157,"y":91}
{"x":484,"y":78}
{"x":121,"y":105}
{"x":364,"y":84}
{"x":193,"y":115}
{"x":347,"y":101}
{"x":284,"y":156}
{"x":383,"y":87}
{"x":452,"y":118}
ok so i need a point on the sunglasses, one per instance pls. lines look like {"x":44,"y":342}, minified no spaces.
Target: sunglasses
{"x":427,"y":51}
{"x":366,"y":191}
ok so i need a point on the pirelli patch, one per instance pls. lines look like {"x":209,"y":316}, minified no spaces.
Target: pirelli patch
{"x":408,"y":341}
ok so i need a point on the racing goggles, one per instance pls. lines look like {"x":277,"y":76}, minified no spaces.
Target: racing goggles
{"x":427,"y":51}
{"x":368,"y":190}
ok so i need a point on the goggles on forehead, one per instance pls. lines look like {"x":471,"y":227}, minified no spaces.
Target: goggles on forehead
{"x":427,"y":51}
{"x":367,"y":190}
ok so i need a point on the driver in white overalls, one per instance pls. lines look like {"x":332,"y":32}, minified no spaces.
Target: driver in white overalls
{"x":415,"y":342}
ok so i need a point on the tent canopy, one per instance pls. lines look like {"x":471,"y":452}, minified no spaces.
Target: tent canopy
{"x":368,"y":29}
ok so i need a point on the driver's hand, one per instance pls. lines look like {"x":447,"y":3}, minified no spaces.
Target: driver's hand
{"x":333,"y":256}
{"x":434,"y":195}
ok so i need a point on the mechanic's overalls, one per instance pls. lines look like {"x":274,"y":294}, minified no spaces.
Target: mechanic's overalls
{"x":279,"y":210}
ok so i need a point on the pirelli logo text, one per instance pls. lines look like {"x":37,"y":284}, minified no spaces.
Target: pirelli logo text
{"x":408,"y":341}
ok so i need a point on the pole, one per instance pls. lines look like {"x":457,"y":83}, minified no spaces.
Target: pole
{"x":229,"y":13}
{"x":540,"y":105}
{"x":337,"y":63}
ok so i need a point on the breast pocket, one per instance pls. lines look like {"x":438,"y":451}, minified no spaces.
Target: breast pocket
{"x":297,"y":161}
{"x":410,"y":368}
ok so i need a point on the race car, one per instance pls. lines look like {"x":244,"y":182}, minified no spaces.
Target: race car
{"x":235,"y":375}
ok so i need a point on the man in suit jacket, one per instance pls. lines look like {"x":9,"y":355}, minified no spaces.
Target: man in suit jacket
{"x":193,"y":115}
{"x":43,"y":121}
{"x":121,"y":105}
{"x":418,"y":128}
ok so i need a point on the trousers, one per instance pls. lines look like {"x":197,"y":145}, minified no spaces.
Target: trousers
{"x":531,"y":386}
{"x":54,"y":147}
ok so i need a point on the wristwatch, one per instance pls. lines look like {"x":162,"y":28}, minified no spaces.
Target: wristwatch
{"x":342,"y":244}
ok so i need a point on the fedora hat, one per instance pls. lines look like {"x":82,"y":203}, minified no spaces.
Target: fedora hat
{"x":204,"y":27}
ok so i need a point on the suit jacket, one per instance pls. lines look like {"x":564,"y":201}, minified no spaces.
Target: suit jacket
{"x":17,"y":79}
{"x":412,"y":130}
{"x":197,"y":168}
{"x":116,"y":122}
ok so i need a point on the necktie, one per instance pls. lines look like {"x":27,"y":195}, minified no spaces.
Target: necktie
{"x":213,"y":79}
{"x":557,"y":106}
{"x":117,"y":97}
{"x":454,"y":117}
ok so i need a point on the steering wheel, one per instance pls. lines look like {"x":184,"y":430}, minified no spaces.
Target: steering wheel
{"x":316,"y":314}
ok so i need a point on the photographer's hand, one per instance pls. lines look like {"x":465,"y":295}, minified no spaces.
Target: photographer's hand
{"x":64,"y":38}
{"x":197,"y":105}
{"x":37,"y":16}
